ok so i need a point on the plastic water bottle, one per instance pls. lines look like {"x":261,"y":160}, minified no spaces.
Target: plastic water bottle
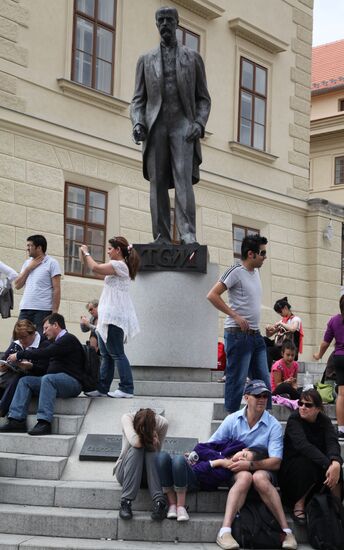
{"x":307,"y":381}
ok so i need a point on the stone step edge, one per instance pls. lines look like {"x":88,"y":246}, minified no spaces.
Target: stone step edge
{"x":25,"y":542}
{"x":138,"y":514}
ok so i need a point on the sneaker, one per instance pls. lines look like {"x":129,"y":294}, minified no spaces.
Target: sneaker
{"x":120,"y":394}
{"x":289,"y":542}
{"x":227,"y":541}
{"x":95,"y":393}
{"x":13,"y":425}
{"x":125,"y":509}
{"x":172,"y":512}
{"x":182,"y":514}
{"x":159,"y":510}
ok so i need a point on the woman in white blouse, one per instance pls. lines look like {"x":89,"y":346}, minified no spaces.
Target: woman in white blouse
{"x":117,"y":319}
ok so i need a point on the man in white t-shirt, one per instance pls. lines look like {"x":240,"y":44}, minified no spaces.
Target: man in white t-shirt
{"x":244,"y":345}
{"x":41,"y":276}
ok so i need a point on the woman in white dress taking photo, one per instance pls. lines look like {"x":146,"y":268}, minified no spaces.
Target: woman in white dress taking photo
{"x":117,"y":319}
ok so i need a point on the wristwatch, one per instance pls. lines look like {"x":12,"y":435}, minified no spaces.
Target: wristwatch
{"x":87,"y":254}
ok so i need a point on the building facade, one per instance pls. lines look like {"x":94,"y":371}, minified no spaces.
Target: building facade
{"x":70,"y":170}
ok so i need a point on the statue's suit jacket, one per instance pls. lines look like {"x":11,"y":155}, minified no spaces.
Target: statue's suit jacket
{"x":193,"y":93}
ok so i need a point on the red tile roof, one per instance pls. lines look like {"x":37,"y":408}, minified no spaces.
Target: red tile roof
{"x":328,"y":66}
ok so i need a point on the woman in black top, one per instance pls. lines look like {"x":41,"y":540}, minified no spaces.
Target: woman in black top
{"x":311,"y":455}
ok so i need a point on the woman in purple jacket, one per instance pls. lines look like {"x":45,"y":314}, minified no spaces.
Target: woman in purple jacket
{"x":335,"y":330}
{"x":206,"y":468}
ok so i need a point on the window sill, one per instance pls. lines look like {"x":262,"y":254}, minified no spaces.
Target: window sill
{"x":204,"y":8}
{"x":92,"y":97}
{"x":257,"y":154}
{"x":257,"y":36}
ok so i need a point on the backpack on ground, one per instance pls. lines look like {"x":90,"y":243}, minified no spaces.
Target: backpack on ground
{"x":255,"y":527}
{"x":325,"y":521}
{"x":91,"y":369}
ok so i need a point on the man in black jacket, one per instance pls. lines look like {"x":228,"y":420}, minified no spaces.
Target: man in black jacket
{"x":63,"y":379}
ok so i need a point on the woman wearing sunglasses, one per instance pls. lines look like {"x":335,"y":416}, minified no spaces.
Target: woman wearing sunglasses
{"x":311,"y":455}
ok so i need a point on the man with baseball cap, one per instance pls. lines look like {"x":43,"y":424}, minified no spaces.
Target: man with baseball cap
{"x":254,"y":426}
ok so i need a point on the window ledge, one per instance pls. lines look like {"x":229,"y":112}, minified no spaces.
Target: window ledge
{"x":204,"y":8}
{"x":246,"y":151}
{"x":92,"y":97}
{"x":257,"y":36}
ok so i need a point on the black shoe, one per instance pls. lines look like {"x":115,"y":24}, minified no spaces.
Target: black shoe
{"x":340,"y":435}
{"x":125,"y":509}
{"x":42,"y":428}
{"x":159,"y":511}
{"x":13,"y":425}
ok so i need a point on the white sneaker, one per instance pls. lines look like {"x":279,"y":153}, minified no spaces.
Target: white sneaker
{"x":172,"y":512}
{"x":94,"y":393}
{"x":289,"y":542}
{"x":227,"y":541}
{"x":182,"y":514}
{"x":120,"y":393}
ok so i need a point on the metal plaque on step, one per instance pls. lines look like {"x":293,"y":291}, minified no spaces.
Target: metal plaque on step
{"x":101,"y":447}
{"x":179,"y":445}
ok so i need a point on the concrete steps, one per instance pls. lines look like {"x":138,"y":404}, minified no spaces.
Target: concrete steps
{"x":27,"y":542}
{"x":31,"y":466}
{"x":97,"y":524}
{"x":48,"y":445}
{"x":54,"y":522}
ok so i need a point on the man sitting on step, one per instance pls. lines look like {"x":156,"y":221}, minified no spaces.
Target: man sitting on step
{"x":254,"y":426}
{"x":63,"y":379}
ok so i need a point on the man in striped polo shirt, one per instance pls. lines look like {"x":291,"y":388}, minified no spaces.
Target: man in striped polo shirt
{"x":41,"y":276}
{"x":244,"y":345}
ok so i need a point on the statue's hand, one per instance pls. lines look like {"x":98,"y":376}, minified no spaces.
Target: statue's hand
{"x":139,"y":133}
{"x":195,"y":132}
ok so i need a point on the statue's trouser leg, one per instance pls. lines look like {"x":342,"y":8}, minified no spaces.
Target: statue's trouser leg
{"x":159,"y":171}
{"x":182,"y":163}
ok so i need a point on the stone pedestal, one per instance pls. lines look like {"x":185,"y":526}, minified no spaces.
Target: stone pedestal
{"x":179,"y":327}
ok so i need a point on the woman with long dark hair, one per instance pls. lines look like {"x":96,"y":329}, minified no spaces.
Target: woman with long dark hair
{"x":117,"y":319}
{"x":143,"y":435}
{"x":289,"y":327}
{"x":335,"y":331}
{"x":311,"y":455}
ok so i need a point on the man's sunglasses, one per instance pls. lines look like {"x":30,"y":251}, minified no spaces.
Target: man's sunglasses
{"x":306,"y":404}
{"x":264,"y":395}
{"x":262,"y":253}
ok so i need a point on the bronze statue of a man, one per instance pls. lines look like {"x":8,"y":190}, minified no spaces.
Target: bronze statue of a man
{"x":169,"y":112}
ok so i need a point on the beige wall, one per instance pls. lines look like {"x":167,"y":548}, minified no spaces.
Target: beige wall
{"x":53,"y":131}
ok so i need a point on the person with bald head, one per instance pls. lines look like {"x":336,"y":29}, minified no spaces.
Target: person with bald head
{"x":169,"y":111}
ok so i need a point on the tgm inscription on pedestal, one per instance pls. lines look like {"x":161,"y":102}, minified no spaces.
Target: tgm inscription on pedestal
{"x":101,"y":447}
{"x":191,"y":258}
{"x":179,"y":445}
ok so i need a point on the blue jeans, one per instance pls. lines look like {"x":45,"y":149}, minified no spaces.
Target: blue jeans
{"x":175,"y":472}
{"x":246,"y":356}
{"x":48,"y":387}
{"x":113,"y":352}
{"x":36,"y":316}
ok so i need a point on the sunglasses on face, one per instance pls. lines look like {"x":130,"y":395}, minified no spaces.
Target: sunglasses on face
{"x":305,"y":404}
{"x":263,"y":395}
{"x":262,"y":253}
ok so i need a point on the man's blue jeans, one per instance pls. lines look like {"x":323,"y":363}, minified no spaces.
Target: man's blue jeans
{"x":246,"y":356}
{"x":48,"y":387}
{"x":113,"y":352}
{"x":36,"y":316}
{"x":175,"y":473}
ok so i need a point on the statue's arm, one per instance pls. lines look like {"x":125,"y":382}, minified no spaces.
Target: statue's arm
{"x":138,"y":104}
{"x":202,"y":97}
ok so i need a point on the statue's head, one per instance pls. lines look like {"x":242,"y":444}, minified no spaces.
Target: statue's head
{"x":167,"y":20}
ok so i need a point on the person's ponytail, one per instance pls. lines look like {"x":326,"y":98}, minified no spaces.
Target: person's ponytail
{"x":130,"y":255}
